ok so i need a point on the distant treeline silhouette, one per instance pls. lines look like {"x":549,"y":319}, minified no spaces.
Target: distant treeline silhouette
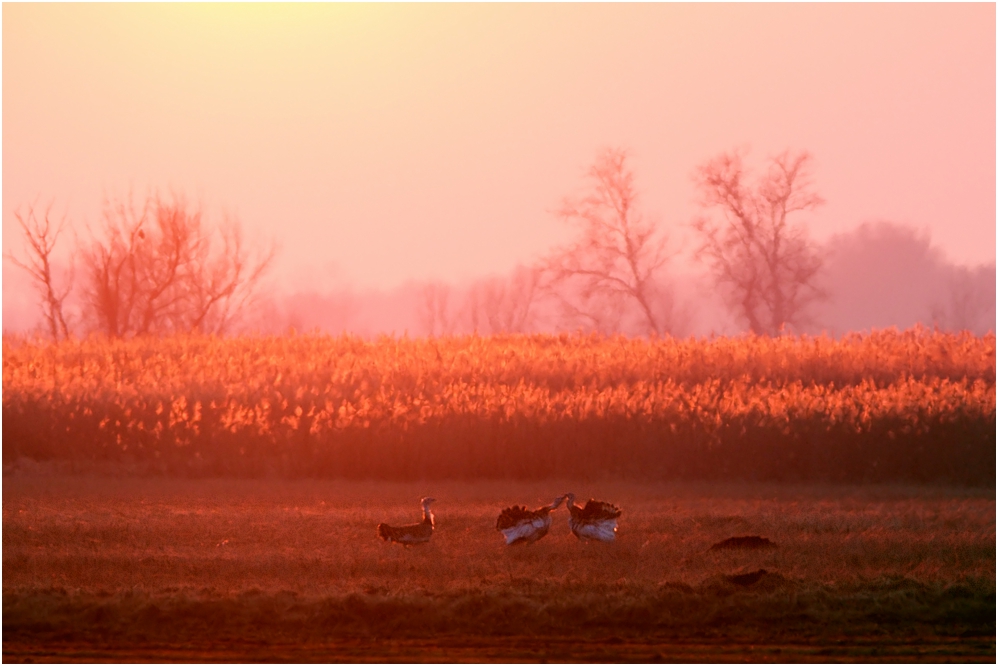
{"x":162,"y":266}
{"x":901,"y":407}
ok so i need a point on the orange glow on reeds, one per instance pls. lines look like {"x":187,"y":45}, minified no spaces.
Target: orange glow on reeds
{"x":883,"y":405}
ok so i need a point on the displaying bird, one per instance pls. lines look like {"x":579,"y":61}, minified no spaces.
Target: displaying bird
{"x":595,"y":521}
{"x":519,"y":525}
{"x":411,"y":535}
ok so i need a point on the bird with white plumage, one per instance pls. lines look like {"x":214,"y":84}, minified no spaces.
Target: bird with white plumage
{"x":596,"y":521}
{"x":520,"y":525}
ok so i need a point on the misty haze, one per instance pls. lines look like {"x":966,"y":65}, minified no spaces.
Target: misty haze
{"x":880,"y":275}
{"x":499,"y":332}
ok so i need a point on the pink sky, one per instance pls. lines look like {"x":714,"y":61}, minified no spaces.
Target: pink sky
{"x":380,"y":143}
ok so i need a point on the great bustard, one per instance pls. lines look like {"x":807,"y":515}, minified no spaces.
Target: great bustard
{"x":519,"y":525}
{"x":411,"y":535}
{"x":595,"y":521}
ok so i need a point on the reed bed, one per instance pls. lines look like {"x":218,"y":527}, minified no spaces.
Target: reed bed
{"x":914,"y":406}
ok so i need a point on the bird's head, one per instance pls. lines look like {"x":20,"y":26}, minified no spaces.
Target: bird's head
{"x":557,"y":502}
{"x":570,"y":497}
{"x":426,"y":502}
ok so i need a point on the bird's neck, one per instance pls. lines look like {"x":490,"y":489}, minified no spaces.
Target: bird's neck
{"x":427,"y":515}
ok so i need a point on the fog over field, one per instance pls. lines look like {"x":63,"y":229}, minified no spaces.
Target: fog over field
{"x":880,"y":275}
{"x":408,"y":163}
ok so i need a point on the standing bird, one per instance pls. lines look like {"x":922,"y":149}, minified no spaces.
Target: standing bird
{"x":596,"y":520}
{"x":411,"y":535}
{"x":521,"y":526}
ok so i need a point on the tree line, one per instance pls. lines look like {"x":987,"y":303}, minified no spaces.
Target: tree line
{"x":163,"y":267}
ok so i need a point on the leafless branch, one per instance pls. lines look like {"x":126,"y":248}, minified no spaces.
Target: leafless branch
{"x":156,"y":269}
{"x":503,"y":305}
{"x":765,"y":265}
{"x":42,"y":236}
{"x":433,"y":312}
{"x":617,"y":255}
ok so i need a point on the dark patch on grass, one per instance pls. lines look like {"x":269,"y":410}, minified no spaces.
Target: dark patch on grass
{"x":748,"y":578}
{"x":749,"y":542}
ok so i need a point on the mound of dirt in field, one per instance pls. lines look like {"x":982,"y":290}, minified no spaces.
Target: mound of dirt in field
{"x":749,"y":542}
{"x":747,"y":579}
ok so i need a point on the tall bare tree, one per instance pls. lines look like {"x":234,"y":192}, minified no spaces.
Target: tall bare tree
{"x":616,"y":260}
{"x":156,"y":269}
{"x":42,"y":235}
{"x":765,"y":265}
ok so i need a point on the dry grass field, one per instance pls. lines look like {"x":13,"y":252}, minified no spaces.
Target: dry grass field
{"x":99,"y":568}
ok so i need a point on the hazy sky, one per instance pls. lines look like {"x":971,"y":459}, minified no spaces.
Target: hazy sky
{"x":379,"y":143}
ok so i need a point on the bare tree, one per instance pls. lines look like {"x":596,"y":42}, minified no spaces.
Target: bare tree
{"x":617,"y":258}
{"x":222,"y":285}
{"x":765,"y":266}
{"x":503,"y":305}
{"x":155,"y":269}
{"x":42,"y":236}
{"x":969,"y":302}
{"x":433,"y":312}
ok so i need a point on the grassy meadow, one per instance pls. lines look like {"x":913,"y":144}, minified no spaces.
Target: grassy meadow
{"x":119,"y":567}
